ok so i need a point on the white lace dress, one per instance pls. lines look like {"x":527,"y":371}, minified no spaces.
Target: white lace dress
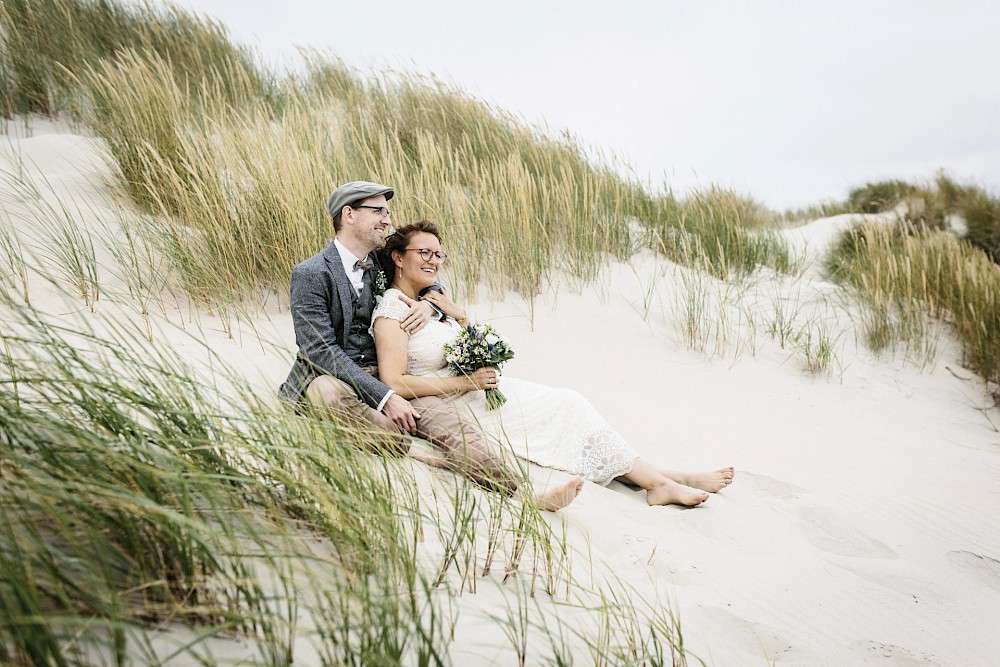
{"x":554,"y":428}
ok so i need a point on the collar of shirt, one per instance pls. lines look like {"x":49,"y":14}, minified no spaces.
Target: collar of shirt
{"x":347,"y":257}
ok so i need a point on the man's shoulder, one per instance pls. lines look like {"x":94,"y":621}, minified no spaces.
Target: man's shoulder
{"x":316,"y":263}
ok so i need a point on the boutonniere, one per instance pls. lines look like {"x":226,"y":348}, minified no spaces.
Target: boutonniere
{"x":378,"y":288}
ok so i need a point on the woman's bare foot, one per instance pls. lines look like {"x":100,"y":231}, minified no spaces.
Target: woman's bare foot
{"x":551,"y":500}
{"x":712,"y":481}
{"x":672,"y":493}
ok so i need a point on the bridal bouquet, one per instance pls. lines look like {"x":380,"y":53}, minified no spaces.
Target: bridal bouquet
{"x":476,"y":346}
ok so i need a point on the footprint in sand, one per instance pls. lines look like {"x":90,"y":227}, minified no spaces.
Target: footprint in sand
{"x":738,"y":638}
{"x":890,"y":654}
{"x":985,"y":568}
{"x":768,"y":487}
{"x":827,"y":530}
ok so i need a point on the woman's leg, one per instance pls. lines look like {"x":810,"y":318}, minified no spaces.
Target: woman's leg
{"x":711,"y":481}
{"x":660,"y":489}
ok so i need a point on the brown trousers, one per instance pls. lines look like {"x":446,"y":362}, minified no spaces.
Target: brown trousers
{"x":462,"y":444}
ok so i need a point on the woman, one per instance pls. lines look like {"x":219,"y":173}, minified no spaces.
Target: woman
{"x":555,"y":428}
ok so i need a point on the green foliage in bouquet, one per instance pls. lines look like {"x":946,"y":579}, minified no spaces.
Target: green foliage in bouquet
{"x":478,"y":346}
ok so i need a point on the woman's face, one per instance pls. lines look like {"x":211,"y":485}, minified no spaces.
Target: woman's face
{"x":419,"y":271}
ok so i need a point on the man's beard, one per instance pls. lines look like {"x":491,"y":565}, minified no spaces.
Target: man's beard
{"x":375,"y":241}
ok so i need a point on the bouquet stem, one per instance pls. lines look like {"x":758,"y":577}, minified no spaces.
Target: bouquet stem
{"x":494,"y":399}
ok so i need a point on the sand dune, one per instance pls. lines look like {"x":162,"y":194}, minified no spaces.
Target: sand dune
{"x":861,"y":528}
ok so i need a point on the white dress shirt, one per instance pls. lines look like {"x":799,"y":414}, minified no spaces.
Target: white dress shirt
{"x":349,"y":260}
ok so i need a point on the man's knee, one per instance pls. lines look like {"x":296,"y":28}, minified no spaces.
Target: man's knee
{"x":328,"y":393}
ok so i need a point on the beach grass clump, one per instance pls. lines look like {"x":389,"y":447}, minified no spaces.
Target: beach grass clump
{"x":904,"y":273}
{"x":502,"y":189}
{"x":967,"y":210}
{"x":817,"y":347}
{"x":46,"y":44}
{"x":101,"y":526}
{"x":234,"y":223}
{"x":190,"y":131}
{"x":721,"y":232}
{"x":138,"y":108}
{"x":144,"y":499}
{"x":824,"y":209}
{"x":977,"y":209}
{"x":879,"y":196}
{"x":133,"y":494}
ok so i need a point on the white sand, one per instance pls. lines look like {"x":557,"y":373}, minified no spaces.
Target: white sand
{"x":861,"y":528}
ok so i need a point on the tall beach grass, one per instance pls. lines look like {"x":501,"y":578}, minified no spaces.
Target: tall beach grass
{"x":906,"y":273}
{"x":236,"y":162}
{"x":142,"y":503}
{"x":966,"y":209}
{"x":46,"y":44}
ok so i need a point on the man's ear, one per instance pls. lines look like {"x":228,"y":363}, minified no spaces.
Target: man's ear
{"x":347,"y":213}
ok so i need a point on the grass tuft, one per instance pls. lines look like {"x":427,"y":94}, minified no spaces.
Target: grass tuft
{"x":904,"y":274}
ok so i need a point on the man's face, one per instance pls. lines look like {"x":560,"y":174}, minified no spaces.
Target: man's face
{"x":370,"y":226}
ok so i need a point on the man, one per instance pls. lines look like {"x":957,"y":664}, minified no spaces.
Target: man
{"x":336,"y":371}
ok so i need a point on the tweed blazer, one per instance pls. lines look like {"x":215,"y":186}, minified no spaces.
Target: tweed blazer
{"x":322,"y":308}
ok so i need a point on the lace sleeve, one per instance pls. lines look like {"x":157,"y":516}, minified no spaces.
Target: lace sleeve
{"x":391,"y":307}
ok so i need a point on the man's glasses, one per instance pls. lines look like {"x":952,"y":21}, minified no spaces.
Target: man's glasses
{"x":427,"y":253}
{"x":382,"y":211}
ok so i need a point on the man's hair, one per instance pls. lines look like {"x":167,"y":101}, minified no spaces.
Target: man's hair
{"x":398,"y":240}
{"x":336,"y":216}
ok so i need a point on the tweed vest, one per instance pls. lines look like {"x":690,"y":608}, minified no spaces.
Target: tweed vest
{"x":359,"y":344}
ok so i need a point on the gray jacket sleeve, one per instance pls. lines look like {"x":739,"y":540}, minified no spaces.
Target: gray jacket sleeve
{"x":317,"y":315}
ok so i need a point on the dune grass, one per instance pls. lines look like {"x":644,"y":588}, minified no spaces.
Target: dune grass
{"x":46,"y":44}
{"x":967,"y":210}
{"x":905,"y":274}
{"x":721,"y":232}
{"x":133,"y":498}
{"x":236,"y":162}
{"x":139,"y":499}
{"x":933,"y":268}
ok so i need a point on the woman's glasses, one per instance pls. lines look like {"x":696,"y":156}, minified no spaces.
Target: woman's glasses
{"x":426,"y":254}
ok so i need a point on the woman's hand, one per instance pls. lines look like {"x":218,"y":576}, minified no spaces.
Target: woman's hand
{"x":483,"y":378}
{"x":447,"y":306}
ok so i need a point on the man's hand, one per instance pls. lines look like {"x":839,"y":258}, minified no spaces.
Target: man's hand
{"x":444,"y":303}
{"x":399,"y":410}
{"x":417,"y":317}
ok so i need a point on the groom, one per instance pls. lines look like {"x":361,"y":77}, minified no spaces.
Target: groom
{"x":336,"y":371}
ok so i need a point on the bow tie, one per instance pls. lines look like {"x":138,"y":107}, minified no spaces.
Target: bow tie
{"x":364,"y":264}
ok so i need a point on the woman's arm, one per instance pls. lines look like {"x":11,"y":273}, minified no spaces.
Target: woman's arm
{"x":390,"y":346}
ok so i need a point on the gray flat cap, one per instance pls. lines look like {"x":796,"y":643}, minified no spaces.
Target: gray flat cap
{"x":348,"y":193}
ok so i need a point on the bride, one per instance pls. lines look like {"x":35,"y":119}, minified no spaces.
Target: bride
{"x":554,"y":428}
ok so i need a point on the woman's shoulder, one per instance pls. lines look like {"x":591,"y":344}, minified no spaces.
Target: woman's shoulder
{"x":393,"y":295}
{"x":390,"y":305}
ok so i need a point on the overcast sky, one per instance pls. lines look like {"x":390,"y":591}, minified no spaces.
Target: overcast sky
{"x":791,"y":102}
